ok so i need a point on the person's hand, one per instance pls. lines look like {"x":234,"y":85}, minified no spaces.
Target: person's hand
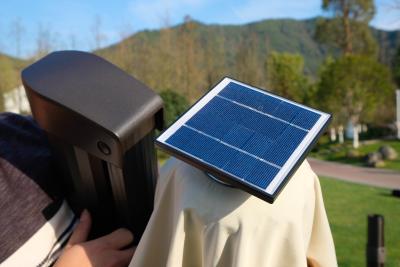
{"x":106,"y":251}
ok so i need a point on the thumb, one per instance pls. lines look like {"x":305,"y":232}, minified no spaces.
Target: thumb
{"x":82,"y":230}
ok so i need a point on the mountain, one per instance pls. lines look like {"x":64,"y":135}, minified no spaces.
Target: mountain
{"x":213,"y":51}
{"x":10,"y":68}
{"x":389,"y":42}
{"x":294,"y":36}
{"x":196,"y":55}
{"x":17,"y":63}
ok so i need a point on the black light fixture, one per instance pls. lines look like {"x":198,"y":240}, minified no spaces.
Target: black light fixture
{"x":100,"y":122}
{"x":375,"y":251}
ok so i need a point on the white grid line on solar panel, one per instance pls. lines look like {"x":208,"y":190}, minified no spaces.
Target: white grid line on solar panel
{"x":243,"y":180}
{"x":233,"y":147}
{"x":292,"y":160}
{"x":263,"y":113}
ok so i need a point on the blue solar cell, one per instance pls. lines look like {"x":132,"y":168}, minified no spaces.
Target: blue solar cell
{"x":234,"y":92}
{"x":241,"y":165}
{"x":201,"y":146}
{"x":285,"y":145}
{"x":264,"y":125}
{"x":251,"y":98}
{"x":275,"y":154}
{"x":232,"y":111}
{"x":220,"y":155}
{"x":181,"y":137}
{"x":286,"y":111}
{"x":262,"y":174}
{"x":257,"y":145}
{"x":306,"y":119}
{"x":292,"y":137}
{"x":215,"y":107}
{"x":192,"y":142}
{"x":215,"y":126}
{"x":237,"y":136}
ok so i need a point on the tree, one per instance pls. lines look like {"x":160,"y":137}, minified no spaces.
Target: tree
{"x":396,"y":68}
{"x":98,"y":35}
{"x":143,"y":57}
{"x":215,"y":58}
{"x":285,"y":75}
{"x":165,"y":58}
{"x":44,"y":41}
{"x":352,"y":87}
{"x":17,"y":30}
{"x":72,"y":42}
{"x":8,"y":78}
{"x":123,"y":56}
{"x":249,"y":66}
{"x":174,"y":105}
{"x":347,"y":28}
{"x":190,"y":56}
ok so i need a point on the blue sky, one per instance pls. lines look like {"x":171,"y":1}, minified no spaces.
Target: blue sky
{"x":70,"y":23}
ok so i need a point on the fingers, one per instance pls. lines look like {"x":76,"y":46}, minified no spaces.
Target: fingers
{"x":118,"y":239}
{"x":125,"y":256}
{"x":82,"y":230}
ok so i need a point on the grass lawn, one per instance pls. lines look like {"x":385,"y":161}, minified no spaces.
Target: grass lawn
{"x":338,"y":152}
{"x":347,"y":206}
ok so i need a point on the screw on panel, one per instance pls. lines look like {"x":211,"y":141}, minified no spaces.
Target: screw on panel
{"x":104,"y":148}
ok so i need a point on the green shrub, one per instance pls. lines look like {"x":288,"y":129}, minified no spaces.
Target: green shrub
{"x":174,"y":105}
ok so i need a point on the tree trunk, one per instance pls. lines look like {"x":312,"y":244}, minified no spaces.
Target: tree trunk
{"x":341,"y":134}
{"x":354,"y":119}
{"x":356,"y":143}
{"x":333,"y":134}
{"x":348,"y":45}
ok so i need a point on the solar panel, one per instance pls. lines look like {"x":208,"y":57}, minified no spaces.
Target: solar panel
{"x":245,"y":136}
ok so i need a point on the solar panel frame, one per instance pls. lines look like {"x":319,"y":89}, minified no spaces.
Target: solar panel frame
{"x":286,"y":171}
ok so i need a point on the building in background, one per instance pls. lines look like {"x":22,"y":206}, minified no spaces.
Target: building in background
{"x":16,"y":101}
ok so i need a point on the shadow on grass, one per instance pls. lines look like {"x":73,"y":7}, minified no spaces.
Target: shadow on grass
{"x":390,"y":195}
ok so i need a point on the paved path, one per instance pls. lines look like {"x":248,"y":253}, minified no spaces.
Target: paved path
{"x":370,"y":176}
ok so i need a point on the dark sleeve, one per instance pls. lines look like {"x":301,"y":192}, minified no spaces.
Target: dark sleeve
{"x":28,"y":182}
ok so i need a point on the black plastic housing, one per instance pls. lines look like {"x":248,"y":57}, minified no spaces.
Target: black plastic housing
{"x":100,"y":122}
